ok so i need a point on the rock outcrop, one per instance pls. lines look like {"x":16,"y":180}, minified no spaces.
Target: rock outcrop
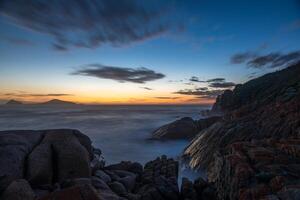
{"x":261,"y":121}
{"x":277,"y":86}
{"x":184,"y":128}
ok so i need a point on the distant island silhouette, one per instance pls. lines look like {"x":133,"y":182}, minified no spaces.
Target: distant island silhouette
{"x":50,"y":102}
{"x":57,"y":102}
{"x":13,"y":102}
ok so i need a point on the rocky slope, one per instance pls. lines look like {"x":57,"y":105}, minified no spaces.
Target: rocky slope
{"x":261,"y":121}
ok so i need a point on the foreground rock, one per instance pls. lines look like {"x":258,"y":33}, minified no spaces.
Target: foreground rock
{"x":200,"y":189}
{"x":184,"y":128}
{"x":62,"y":164}
{"x":159,"y":180}
{"x":268,"y":169}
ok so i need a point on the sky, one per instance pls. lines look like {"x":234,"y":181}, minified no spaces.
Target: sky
{"x":141,"y":52}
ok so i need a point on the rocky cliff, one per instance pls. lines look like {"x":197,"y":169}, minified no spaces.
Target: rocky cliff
{"x":279,"y":86}
{"x":261,"y":121}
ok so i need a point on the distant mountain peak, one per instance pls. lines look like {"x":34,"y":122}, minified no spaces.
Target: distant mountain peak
{"x":13,"y":102}
{"x":58,"y":102}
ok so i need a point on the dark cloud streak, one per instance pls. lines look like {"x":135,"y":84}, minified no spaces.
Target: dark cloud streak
{"x":222,"y":85}
{"x":138,"y":75}
{"x":216,"y":80}
{"x":200,"y":93}
{"x":88,"y":24}
{"x":196,"y":79}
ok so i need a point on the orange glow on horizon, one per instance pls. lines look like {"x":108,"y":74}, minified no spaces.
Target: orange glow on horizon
{"x":115,"y":100}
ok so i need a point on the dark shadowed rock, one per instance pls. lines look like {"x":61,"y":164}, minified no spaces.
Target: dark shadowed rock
{"x":99,"y":183}
{"x":182,"y":128}
{"x":207,"y":122}
{"x":103,"y":176}
{"x":128,"y":179}
{"x":75,"y":182}
{"x":18,"y":190}
{"x":185,"y":128}
{"x":14,"y":148}
{"x":62,"y":154}
{"x":118,"y":188}
{"x":133,"y":167}
{"x":159,"y":179}
{"x":82,"y":192}
{"x":72,"y":159}
{"x":43,"y":157}
{"x":200,"y":184}
{"x":40,"y":165}
{"x":187,"y":190}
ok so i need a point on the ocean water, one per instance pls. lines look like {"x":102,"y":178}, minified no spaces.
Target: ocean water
{"x":121,"y":132}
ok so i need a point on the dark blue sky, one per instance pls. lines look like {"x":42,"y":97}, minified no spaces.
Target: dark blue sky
{"x":69,"y":48}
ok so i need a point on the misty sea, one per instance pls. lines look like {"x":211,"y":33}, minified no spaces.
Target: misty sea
{"x":122,"y":132}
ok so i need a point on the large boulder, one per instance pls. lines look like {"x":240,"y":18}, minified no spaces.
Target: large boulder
{"x":72,"y":159}
{"x":40,"y":165}
{"x":62,"y":154}
{"x":14,"y":148}
{"x":43,"y":157}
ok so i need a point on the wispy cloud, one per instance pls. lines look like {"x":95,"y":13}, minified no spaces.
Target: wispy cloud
{"x":88,"y":24}
{"x":138,"y":75}
{"x":18,"y":41}
{"x":271,"y":60}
